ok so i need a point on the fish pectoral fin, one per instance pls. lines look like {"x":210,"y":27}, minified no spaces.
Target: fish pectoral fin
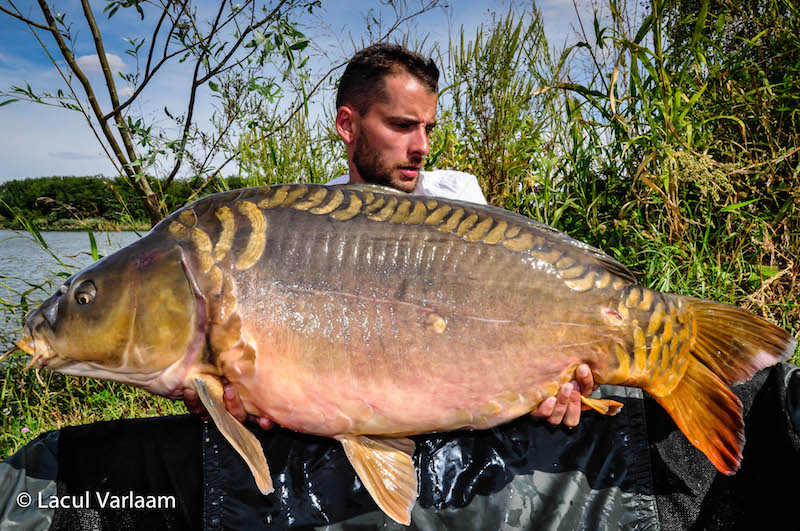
{"x":386,"y":468}
{"x":209,"y":389}
{"x":604,"y":406}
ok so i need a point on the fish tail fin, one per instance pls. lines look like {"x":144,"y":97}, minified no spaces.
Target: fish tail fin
{"x":734,"y":343}
{"x":709,"y":415}
{"x":714,"y":346}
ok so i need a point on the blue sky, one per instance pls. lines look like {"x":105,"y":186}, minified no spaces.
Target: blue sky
{"x":37,"y":140}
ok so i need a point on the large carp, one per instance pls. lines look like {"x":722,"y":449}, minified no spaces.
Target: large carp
{"x":368,"y":316}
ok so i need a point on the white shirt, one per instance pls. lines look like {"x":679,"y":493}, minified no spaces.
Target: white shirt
{"x":449,"y":184}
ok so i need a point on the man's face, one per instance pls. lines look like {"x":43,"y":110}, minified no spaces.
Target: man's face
{"x":392,"y":139}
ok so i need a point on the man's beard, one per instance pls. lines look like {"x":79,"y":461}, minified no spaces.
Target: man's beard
{"x":373,"y":169}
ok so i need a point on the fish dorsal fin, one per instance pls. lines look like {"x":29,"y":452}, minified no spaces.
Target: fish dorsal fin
{"x":369,"y":187}
{"x":209,"y":389}
{"x":386,"y":468}
{"x":580,"y":250}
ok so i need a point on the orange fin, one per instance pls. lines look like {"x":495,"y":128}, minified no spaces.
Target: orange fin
{"x":209,"y":389}
{"x":734,"y":343}
{"x":385,"y":467}
{"x":728,"y":345}
{"x":709,"y":415}
{"x":604,"y":406}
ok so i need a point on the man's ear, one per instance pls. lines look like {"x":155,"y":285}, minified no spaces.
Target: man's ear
{"x":347,"y":123}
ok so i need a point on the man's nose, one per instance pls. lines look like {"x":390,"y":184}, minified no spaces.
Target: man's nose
{"x":420,"y":142}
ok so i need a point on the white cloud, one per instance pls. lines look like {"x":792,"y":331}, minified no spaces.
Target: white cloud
{"x":90,"y":64}
{"x":125,"y":92}
{"x":71,"y":155}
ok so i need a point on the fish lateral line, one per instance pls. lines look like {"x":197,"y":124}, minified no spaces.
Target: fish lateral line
{"x":366,"y":298}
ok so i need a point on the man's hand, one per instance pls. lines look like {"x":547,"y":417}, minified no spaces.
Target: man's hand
{"x":565,"y":407}
{"x":233,"y":403}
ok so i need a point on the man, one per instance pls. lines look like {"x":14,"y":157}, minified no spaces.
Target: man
{"x":386,"y":110}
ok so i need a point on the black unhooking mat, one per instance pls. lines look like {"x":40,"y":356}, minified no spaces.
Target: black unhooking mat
{"x":632,"y":471}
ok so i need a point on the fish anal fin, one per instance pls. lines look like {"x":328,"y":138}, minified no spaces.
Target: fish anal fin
{"x":209,"y":389}
{"x":604,"y":406}
{"x":386,"y":468}
{"x":709,"y":414}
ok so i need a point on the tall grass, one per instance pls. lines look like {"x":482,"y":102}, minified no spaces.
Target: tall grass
{"x":675,"y":150}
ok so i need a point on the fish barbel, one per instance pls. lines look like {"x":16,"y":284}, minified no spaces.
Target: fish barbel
{"x":366,"y":316}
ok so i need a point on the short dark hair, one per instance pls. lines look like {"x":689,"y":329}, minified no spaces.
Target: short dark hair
{"x":362,"y":82}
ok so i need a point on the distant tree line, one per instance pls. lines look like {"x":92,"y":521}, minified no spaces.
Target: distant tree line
{"x":69,"y":202}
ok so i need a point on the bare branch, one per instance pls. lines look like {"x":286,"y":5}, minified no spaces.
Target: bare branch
{"x":27,"y":21}
{"x":212,"y":72}
{"x":109,"y":77}
{"x":84,"y":81}
{"x":77,"y":100}
{"x":250,"y":28}
{"x":192,"y":98}
{"x":153,"y":42}
{"x":271,"y":131}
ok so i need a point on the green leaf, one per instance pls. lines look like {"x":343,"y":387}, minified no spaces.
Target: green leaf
{"x":737,"y":206}
{"x":7,"y":102}
{"x":299,"y":45}
{"x":769,"y":271}
{"x":93,"y":244}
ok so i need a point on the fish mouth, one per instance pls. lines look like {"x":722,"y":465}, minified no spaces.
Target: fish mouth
{"x":40,"y":352}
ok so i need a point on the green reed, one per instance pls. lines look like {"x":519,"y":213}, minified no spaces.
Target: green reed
{"x":669,"y":140}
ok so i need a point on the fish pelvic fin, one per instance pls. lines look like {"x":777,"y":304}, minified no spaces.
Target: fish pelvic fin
{"x":386,"y":468}
{"x":604,"y":406}
{"x":692,"y":351}
{"x":209,"y":389}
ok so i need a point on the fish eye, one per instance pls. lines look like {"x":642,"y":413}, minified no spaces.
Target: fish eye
{"x":85,"y":293}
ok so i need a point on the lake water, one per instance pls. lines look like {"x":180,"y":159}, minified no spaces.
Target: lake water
{"x":28,"y":270}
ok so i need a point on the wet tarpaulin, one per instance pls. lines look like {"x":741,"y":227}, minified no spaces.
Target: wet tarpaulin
{"x":523,"y":475}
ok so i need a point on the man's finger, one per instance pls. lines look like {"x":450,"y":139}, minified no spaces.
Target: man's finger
{"x":192,"y":401}
{"x":585,"y":379}
{"x":545,"y":409}
{"x":264,"y":423}
{"x":572,"y":415}
{"x":193,"y":404}
{"x":234,"y":404}
{"x":560,"y":408}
